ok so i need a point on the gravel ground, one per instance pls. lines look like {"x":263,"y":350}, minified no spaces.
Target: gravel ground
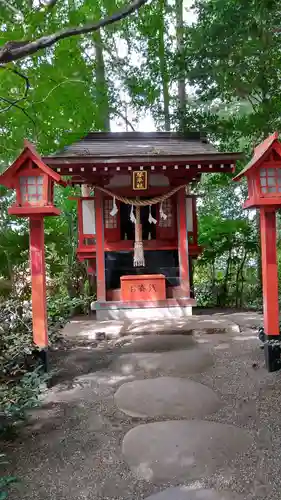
{"x":71,"y":448}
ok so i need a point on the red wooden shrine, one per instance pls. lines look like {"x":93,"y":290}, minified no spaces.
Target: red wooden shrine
{"x":263,"y":175}
{"x":121,"y":175}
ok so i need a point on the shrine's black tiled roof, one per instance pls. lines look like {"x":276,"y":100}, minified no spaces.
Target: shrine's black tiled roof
{"x":140,"y":144}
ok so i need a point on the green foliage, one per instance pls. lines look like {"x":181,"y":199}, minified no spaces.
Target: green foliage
{"x":226,"y":271}
{"x":21,"y":379}
{"x":18,"y":397}
{"x":232,"y":56}
{"x":15,"y":337}
{"x":19,"y":387}
{"x":61,"y":309}
{"x":5,"y":481}
{"x":74,"y":85}
{"x":232,"y":62}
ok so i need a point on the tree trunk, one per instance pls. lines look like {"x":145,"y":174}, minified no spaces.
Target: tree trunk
{"x":238,"y":295}
{"x":102,"y":99}
{"x":180,"y":47}
{"x":224,"y":290}
{"x":213,"y":279}
{"x":163,"y":65}
{"x":242,"y":285}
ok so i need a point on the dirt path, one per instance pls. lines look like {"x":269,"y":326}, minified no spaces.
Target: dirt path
{"x":207,"y":425}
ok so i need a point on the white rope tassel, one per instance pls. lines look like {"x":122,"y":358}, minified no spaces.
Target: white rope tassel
{"x":161,"y":212}
{"x":139,"y":260}
{"x":151,"y":219}
{"x":114,"y":210}
{"x":132,"y":215}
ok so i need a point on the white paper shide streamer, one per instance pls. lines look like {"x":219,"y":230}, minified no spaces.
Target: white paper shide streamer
{"x":161,"y":212}
{"x":151,"y":219}
{"x":132,"y":215}
{"x":114,"y":210}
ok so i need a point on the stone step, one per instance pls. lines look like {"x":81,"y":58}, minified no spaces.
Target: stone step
{"x":85,"y":328}
{"x":182,"y":450}
{"x":176,"y":363}
{"x":187,"y":493}
{"x":166,"y":397}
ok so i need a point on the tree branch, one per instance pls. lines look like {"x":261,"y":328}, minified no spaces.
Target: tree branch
{"x":13,"y":104}
{"x":67,"y":80}
{"x":124,"y":117}
{"x":25,"y":78}
{"x":254,"y":106}
{"x":12,"y":51}
{"x":27,"y":87}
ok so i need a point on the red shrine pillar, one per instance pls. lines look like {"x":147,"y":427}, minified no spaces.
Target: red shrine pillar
{"x":270,"y":285}
{"x":38,"y":281}
{"x":183,"y":244}
{"x":100,"y":257}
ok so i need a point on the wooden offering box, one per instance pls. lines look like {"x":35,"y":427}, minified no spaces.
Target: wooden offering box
{"x":145,"y":287}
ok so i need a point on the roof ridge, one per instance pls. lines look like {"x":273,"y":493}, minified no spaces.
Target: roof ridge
{"x":142,"y":135}
{"x":107,"y":138}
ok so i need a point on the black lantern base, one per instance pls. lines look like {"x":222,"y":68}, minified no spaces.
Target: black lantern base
{"x":272,"y":352}
{"x":44,"y":361}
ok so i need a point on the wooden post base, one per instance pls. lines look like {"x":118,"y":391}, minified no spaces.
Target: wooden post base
{"x":44,"y":359}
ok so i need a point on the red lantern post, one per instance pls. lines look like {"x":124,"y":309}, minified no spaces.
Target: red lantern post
{"x":263,"y":175}
{"x":34,"y":185}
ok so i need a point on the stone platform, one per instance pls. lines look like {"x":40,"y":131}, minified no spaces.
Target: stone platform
{"x":109,"y":311}
{"x":85,"y":328}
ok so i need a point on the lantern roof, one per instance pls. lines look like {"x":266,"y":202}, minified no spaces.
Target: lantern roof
{"x":29,"y":153}
{"x":260,"y":153}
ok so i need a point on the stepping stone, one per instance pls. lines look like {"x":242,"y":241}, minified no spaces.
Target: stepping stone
{"x":211,"y":324}
{"x":187,"y":326}
{"x":166,"y":397}
{"x":248,"y":319}
{"x":186,"y":493}
{"x":179,"y":363}
{"x":155,"y":343}
{"x":188,"y":450}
